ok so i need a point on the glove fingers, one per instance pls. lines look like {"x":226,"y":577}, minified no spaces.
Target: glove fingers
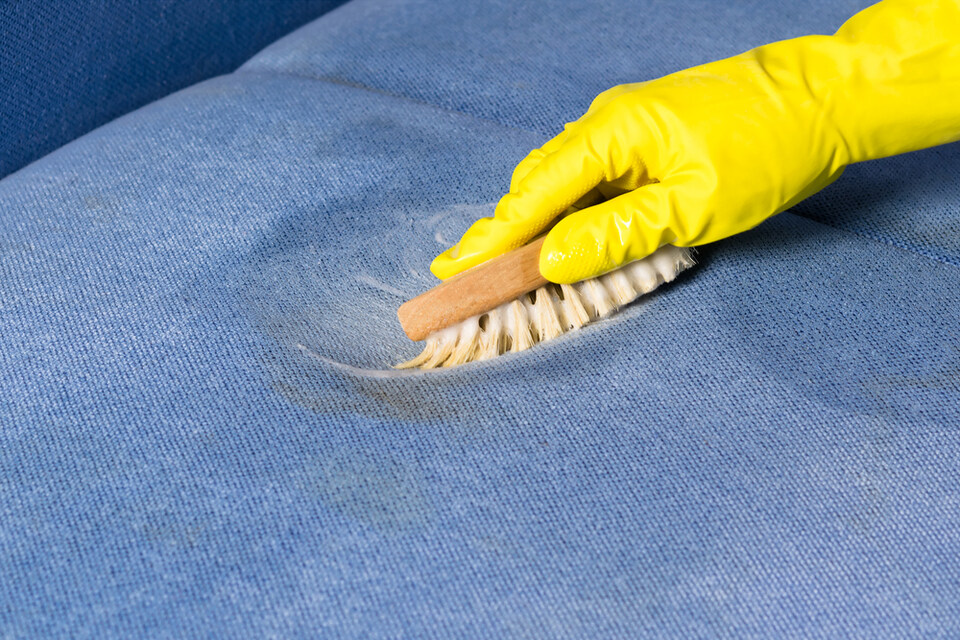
{"x":535,"y":157}
{"x":608,"y":235}
{"x":606,"y":96}
{"x":557,"y":181}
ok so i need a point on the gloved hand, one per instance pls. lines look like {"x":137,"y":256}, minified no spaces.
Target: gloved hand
{"x":714,"y":150}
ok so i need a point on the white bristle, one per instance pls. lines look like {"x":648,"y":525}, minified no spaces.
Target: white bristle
{"x":491,"y":338}
{"x":468,"y":340}
{"x":618,"y":286}
{"x":549,"y":312}
{"x":572,"y":309}
{"x":432,"y":344}
{"x":595,"y":298}
{"x":529,"y":308}
{"x":666,"y":264}
{"x":545,"y":319}
{"x":445,"y":346}
{"x":642,"y":275}
{"x":518,"y":327}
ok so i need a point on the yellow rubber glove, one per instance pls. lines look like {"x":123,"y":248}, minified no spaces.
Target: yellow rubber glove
{"x":705,"y":153}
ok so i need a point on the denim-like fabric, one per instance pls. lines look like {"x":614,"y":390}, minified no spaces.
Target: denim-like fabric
{"x":67,"y":67}
{"x":536,"y":65}
{"x":533,"y":65}
{"x":198,"y":437}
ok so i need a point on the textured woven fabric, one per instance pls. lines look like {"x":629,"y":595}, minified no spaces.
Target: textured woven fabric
{"x":199,"y":437}
{"x":67,"y":67}
{"x":536,"y":65}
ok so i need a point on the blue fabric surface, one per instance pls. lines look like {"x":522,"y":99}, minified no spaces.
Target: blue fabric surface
{"x":67,"y":67}
{"x":533,"y":65}
{"x":197,"y":438}
{"x":537,"y":65}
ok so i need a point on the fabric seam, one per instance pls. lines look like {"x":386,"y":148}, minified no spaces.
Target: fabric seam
{"x":354,"y":85}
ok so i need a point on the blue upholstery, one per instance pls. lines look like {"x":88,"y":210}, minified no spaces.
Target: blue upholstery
{"x":199,"y":437}
{"x":532,"y":65}
{"x":537,"y":65}
{"x":67,"y":67}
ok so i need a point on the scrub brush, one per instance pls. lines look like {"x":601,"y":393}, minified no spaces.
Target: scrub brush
{"x":505,"y":305}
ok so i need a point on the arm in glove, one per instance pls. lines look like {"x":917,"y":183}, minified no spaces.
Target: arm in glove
{"x":714,"y":150}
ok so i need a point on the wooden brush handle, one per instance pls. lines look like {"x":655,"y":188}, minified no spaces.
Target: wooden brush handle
{"x":473,"y":292}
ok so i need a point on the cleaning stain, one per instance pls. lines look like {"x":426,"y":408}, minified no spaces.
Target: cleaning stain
{"x":383,"y":374}
{"x":328,"y":316}
{"x":375,"y":491}
{"x":376,"y":284}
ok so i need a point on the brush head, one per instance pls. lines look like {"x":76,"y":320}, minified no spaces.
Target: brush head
{"x":473,"y":292}
{"x":548,"y":312}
